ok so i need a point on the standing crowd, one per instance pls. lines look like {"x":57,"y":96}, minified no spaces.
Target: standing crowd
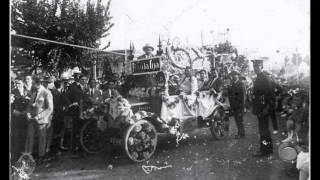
{"x":51,"y":108}
{"x":46,"y":112}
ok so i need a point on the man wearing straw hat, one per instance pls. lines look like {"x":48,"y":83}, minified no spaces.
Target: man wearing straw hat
{"x":148,"y":52}
{"x":262,"y":93}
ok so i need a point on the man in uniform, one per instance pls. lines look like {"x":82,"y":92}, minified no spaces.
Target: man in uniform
{"x":273,"y":104}
{"x":236,"y":94}
{"x":262,"y":93}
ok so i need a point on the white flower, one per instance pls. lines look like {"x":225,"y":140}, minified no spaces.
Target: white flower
{"x":138,"y":128}
{"x":130,"y":141}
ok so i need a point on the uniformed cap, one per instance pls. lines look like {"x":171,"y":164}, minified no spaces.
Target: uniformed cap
{"x":93,"y":81}
{"x":77,"y":74}
{"x":242,"y":78}
{"x":267,"y":72}
{"x":64,"y":78}
{"x":37,"y":79}
{"x":48,"y":79}
{"x":257,"y":61}
{"x":234,"y":72}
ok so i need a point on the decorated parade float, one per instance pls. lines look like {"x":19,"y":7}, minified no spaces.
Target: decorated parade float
{"x":146,"y":108}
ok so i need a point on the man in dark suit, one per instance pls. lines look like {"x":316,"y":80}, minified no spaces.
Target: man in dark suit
{"x":60,"y":102}
{"x":236,"y":94}
{"x":93,"y":93}
{"x":76,"y":95}
{"x":262,"y":99}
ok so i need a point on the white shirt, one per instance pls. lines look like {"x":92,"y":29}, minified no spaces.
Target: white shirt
{"x":189,"y":85}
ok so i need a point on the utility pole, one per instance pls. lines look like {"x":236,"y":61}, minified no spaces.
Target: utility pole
{"x":94,"y":68}
{"x":201,"y":38}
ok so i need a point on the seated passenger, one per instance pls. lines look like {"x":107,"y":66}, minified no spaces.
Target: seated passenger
{"x":189,"y":84}
{"x":213,"y":83}
{"x":202,"y":79}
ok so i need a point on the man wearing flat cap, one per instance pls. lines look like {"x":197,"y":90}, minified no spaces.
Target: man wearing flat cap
{"x":236,"y":92}
{"x":147,"y":49}
{"x":262,"y":94}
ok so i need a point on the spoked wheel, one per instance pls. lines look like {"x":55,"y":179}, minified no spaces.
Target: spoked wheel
{"x":140,"y":141}
{"x":93,"y":136}
{"x":219,"y":125}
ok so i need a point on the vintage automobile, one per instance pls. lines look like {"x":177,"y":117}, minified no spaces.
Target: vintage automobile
{"x":146,"y":108}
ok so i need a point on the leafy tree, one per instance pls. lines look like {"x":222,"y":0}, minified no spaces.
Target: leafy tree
{"x":240,"y":61}
{"x":224,"y":48}
{"x":59,"y":20}
{"x":243,"y":63}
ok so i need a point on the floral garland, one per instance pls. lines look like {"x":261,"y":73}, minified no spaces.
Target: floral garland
{"x":142,"y":142}
{"x":25,"y":166}
{"x":149,"y":169}
{"x":172,"y":104}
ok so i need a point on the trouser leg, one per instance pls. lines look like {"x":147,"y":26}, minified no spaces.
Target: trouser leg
{"x":239,"y":122}
{"x":77,"y":124}
{"x":274,"y":119}
{"x":265,"y":137}
{"x":30,"y":137}
{"x":49,"y":137}
{"x":42,"y":133}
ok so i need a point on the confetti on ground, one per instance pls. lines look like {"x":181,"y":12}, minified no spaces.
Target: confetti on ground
{"x":149,"y":169}
{"x":110,"y":166}
{"x":232,"y":144}
{"x":180,"y":137}
{"x":189,"y":168}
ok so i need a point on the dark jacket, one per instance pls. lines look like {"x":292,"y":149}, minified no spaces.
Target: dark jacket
{"x":20,"y":100}
{"x":75,"y":93}
{"x":262,"y":93}
{"x":60,"y":102}
{"x":236,"y":94}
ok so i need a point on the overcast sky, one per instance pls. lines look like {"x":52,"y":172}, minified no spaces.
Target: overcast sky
{"x":257,"y":27}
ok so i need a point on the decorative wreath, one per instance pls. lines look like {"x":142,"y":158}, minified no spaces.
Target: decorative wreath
{"x":142,"y":141}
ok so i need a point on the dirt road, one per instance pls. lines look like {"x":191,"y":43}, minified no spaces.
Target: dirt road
{"x":199,"y":157}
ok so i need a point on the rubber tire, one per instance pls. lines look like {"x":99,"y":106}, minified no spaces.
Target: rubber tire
{"x":84,"y":127}
{"x":215,"y":134}
{"x":126,"y":137}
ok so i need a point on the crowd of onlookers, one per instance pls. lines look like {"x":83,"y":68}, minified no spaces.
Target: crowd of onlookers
{"x":47,"y":108}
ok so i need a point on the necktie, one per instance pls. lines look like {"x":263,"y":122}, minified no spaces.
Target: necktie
{"x":35,"y":97}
